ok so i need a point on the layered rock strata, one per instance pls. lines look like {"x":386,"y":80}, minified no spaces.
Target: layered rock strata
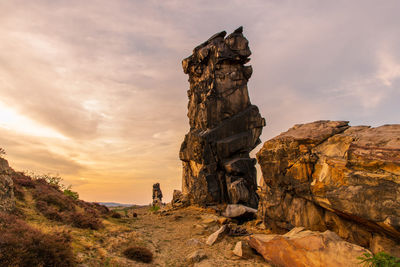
{"x":224,"y":125}
{"x":327,"y":175}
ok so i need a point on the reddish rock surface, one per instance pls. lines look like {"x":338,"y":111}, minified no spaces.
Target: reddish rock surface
{"x":300,"y":248}
{"x":327,"y":175}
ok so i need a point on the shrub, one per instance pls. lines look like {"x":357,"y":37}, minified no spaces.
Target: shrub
{"x":100,"y":208}
{"x":53,"y":180}
{"x":380,"y":259}
{"x":22,"y":245}
{"x":138,"y":254}
{"x":20,"y":179}
{"x":154,"y":208}
{"x":87,"y":220}
{"x":70,"y":193}
{"x":116,"y":215}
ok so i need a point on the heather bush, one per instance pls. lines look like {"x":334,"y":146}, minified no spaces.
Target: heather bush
{"x":116,"y":215}
{"x":22,"y":245}
{"x":86,"y":220}
{"x":138,"y":254}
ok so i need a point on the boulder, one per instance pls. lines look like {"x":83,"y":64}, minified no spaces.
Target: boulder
{"x":239,"y":211}
{"x":242,"y":250}
{"x":217,"y":235}
{"x":327,"y":175}
{"x":224,"y":125}
{"x":177,"y":199}
{"x":304,"y":248}
{"x":196,"y":256}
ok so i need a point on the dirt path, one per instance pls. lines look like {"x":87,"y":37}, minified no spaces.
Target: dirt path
{"x":173,"y":235}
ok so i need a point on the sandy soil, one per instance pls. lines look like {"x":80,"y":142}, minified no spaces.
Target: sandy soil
{"x":172,"y":235}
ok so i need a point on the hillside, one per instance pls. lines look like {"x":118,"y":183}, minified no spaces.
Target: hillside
{"x":46,"y":227}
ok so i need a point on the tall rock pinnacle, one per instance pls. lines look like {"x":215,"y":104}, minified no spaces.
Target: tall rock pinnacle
{"x":224,"y":125}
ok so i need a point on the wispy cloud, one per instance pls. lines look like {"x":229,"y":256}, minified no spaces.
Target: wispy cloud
{"x":94,"y":89}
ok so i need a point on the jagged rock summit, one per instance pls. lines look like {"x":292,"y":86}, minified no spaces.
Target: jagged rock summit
{"x":224,"y":125}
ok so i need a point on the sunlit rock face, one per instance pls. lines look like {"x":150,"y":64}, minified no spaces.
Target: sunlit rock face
{"x":327,"y":175}
{"x":224,"y":125}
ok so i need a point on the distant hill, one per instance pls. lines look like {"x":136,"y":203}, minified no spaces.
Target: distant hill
{"x":114,"y":204}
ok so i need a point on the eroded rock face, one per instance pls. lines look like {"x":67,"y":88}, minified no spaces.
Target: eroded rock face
{"x":327,"y":175}
{"x":300,"y":248}
{"x":157,"y":194}
{"x":7,"y":200}
{"x":224,"y":125}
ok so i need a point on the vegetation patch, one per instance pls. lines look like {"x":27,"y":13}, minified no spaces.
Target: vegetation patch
{"x":381,"y":259}
{"x":23,"y":245}
{"x":141,"y":254}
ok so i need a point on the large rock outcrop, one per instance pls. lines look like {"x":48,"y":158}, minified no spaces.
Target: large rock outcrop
{"x":224,"y":125}
{"x":327,"y":175}
{"x":7,"y":200}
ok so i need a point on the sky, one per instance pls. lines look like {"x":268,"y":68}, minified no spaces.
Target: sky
{"x":94,"y":90}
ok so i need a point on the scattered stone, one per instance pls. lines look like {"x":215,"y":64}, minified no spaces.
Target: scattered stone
{"x":329,"y":175}
{"x":177,"y":199}
{"x":243,"y":250}
{"x":208,"y":221}
{"x":237,"y":231}
{"x":307,"y":249}
{"x":7,"y":200}
{"x":217,"y":235}
{"x":224,"y":125}
{"x":196,"y":256}
{"x":239,"y":211}
{"x":157,"y":195}
{"x":223,"y":220}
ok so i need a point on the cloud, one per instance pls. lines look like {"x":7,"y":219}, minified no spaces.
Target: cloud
{"x":96,"y":90}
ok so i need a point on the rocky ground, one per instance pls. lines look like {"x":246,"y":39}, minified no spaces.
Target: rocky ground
{"x":173,"y":235}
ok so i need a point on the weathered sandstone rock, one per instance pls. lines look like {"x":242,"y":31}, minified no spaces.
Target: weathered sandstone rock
{"x":7,"y":200}
{"x":217,"y":235}
{"x":300,"y":248}
{"x":177,"y":199}
{"x":242,"y":250}
{"x":224,"y":125}
{"x":327,"y":175}
{"x":236,"y":210}
{"x":157,"y":194}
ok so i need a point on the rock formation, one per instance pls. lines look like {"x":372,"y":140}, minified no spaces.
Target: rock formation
{"x":307,"y":249}
{"x":157,"y":194}
{"x":7,"y":200}
{"x":224,"y":125}
{"x":327,"y":175}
